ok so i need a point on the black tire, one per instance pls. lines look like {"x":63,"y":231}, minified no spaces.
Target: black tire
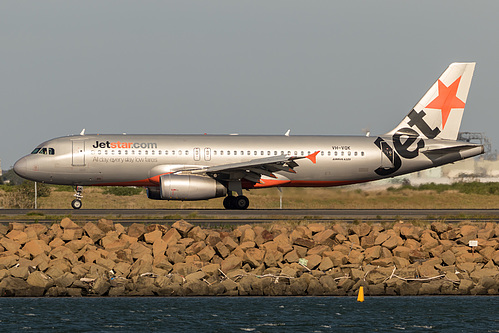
{"x":229,"y":202}
{"x":241,"y":202}
{"x":76,"y":204}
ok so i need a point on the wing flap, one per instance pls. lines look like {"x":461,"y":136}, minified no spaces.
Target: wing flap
{"x":243,"y":165}
{"x":254,"y":169}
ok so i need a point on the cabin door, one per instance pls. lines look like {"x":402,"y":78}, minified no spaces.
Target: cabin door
{"x":78,"y":152}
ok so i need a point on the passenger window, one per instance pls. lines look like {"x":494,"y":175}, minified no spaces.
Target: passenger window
{"x":302,"y":153}
{"x":139,"y":152}
{"x":105,"y":152}
{"x":98,"y":152}
{"x":173,"y":152}
{"x":268,"y":152}
{"x":214,"y":152}
{"x":349,"y":153}
{"x":361,"y":153}
{"x":329,"y":153}
{"x":187,"y":152}
{"x":335,"y":153}
{"x":228,"y":152}
{"x":355,"y":154}
{"x":159,"y":152}
{"x":261,"y":153}
{"x":322,"y":153}
{"x":235,"y":152}
{"x":221,"y":152}
{"x":248,"y":153}
{"x":180,"y":152}
{"x":51,"y":151}
{"x":126,"y":152}
{"x":275,"y":152}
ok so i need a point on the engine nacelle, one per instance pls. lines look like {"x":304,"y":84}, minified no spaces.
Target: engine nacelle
{"x":186,"y":187}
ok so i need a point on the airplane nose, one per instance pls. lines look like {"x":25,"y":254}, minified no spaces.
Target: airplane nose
{"x":21,"y":167}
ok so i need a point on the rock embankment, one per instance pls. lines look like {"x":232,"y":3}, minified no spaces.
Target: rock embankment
{"x":108,"y":259}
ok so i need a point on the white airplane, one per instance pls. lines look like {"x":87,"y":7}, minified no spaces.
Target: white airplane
{"x":199,"y":167}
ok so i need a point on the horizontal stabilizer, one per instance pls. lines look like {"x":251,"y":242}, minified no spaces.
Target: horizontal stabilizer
{"x":439,"y":151}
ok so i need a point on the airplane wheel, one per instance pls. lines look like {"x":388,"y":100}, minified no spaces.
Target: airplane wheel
{"x":76,"y":204}
{"x":241,"y":202}
{"x":229,"y":202}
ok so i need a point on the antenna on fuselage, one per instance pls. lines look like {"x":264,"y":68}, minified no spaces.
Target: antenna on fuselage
{"x":287,"y":132}
{"x":82,"y":132}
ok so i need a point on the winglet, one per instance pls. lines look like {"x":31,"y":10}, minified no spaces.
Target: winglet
{"x":313,"y":157}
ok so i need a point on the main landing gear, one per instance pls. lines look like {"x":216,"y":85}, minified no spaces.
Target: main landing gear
{"x":76,"y":203}
{"x":239,"y":202}
{"x":232,"y":202}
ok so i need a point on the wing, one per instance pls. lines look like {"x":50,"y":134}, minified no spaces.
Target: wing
{"x":253,"y":170}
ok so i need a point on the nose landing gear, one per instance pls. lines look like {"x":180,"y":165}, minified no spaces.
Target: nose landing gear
{"x":76,"y":203}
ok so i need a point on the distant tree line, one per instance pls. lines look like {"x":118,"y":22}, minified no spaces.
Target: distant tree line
{"x":18,"y":192}
{"x":23,"y":195}
{"x":10,"y":177}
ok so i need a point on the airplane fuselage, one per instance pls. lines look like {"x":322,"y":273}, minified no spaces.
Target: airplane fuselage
{"x":138,"y":160}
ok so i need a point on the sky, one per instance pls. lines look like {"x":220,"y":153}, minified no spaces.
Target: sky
{"x":248,"y":67}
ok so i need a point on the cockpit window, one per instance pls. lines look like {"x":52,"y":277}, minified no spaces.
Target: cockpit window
{"x":44,"y":151}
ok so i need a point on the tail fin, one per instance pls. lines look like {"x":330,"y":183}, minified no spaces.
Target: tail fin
{"x":438,"y":114}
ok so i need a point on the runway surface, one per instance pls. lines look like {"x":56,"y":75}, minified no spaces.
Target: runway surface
{"x":264,"y":214}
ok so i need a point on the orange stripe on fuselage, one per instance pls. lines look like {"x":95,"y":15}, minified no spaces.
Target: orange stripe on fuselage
{"x":264,"y":183}
{"x":152,"y":181}
{"x":300,"y":183}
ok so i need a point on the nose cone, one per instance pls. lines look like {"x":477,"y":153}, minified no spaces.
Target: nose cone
{"x":21,"y":167}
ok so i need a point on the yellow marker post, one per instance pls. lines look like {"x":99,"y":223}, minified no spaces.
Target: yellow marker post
{"x":360,"y":297}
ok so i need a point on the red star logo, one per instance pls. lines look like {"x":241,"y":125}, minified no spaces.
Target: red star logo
{"x":446,"y":100}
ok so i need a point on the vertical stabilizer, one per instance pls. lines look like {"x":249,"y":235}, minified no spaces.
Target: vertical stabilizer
{"x":438,"y":114}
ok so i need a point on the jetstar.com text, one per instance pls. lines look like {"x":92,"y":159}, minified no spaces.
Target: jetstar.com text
{"x":143,"y":145}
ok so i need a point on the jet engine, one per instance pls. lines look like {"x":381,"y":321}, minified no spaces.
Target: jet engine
{"x":153,"y":193}
{"x":186,"y":187}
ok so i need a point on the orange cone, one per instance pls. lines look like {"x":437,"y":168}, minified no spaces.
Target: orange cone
{"x":360,"y":297}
